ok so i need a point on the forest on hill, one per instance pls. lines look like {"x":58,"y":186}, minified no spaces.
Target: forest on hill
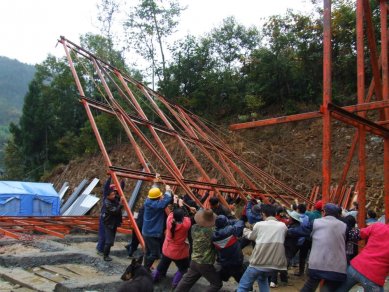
{"x":14,"y":79}
{"x":232,"y":73}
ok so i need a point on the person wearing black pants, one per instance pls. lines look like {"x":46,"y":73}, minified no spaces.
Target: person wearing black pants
{"x":133,"y":245}
{"x":154,"y":222}
{"x":112,"y":219}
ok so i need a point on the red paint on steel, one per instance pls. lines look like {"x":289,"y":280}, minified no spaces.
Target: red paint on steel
{"x":327,"y":95}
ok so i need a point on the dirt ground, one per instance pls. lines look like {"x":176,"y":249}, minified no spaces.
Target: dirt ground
{"x":72,"y":264}
{"x":289,"y":152}
{"x":25,"y":266}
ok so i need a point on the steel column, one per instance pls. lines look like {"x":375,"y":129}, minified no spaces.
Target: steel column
{"x":327,"y":95}
{"x":385,"y":96}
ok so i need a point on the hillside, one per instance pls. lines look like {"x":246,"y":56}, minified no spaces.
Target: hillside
{"x":290,"y":152}
{"x":14,"y":79}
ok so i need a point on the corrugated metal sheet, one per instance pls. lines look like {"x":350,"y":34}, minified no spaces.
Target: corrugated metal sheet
{"x":82,"y":205}
{"x":73,"y":196}
{"x":63,"y":190}
{"x":91,"y":186}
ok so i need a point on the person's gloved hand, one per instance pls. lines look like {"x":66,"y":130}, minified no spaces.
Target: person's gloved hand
{"x":168,"y":188}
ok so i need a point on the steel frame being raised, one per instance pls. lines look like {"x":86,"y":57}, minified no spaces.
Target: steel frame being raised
{"x":379,"y":87}
{"x":122,"y":97}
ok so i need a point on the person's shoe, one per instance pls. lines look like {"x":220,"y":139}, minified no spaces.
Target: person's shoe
{"x":156,"y":275}
{"x":176,"y":279}
{"x":273,"y":285}
{"x":100,"y":253}
{"x":107,"y":259}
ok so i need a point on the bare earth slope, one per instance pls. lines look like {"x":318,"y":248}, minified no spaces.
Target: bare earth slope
{"x":291,"y":152}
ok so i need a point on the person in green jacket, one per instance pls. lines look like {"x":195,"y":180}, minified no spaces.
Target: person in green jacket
{"x":203,"y":254}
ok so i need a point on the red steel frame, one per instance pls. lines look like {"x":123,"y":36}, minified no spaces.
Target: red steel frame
{"x":58,"y":226}
{"x":192,"y":136}
{"x":243,"y":178}
{"x":379,"y":87}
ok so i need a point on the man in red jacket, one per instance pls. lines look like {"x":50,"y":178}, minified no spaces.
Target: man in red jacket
{"x":371,"y":266}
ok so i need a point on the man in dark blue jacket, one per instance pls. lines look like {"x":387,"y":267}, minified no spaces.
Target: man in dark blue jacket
{"x":153,"y":223}
{"x":229,"y":253}
{"x":107,"y":189}
{"x":112,"y":219}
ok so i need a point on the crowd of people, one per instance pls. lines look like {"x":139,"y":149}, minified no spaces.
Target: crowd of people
{"x":208,"y":243}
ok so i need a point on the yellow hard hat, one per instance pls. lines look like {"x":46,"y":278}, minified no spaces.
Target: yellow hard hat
{"x":154,"y":193}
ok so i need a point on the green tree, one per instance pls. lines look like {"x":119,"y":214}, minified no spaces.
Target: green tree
{"x":148,"y":26}
{"x":52,"y":114}
{"x":232,"y":43}
{"x":205,"y":72}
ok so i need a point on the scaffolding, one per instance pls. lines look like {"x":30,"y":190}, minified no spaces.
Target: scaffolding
{"x":352,"y":115}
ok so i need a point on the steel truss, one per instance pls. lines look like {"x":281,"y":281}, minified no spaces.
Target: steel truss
{"x":217,"y":168}
{"x":379,"y":87}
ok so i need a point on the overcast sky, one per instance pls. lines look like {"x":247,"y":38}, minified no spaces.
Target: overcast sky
{"x":29,"y":29}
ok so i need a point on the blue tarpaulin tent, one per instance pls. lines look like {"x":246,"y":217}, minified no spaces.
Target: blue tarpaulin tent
{"x":28,"y":199}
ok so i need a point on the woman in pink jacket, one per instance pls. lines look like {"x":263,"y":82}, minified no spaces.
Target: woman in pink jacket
{"x":176,"y":246}
{"x":371,"y":266}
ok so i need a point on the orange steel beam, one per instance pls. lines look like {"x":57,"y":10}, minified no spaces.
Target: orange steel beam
{"x":361,"y":129}
{"x":354,"y":142}
{"x":182,"y":143}
{"x":9,"y":233}
{"x":256,"y":172}
{"x":385,"y":95}
{"x":210,"y":186}
{"x":356,"y":121}
{"x":347,"y":199}
{"x":378,"y":86}
{"x":199,"y":184}
{"x":310,"y":115}
{"x":371,"y":42}
{"x":101,"y":144}
{"x":327,"y":95}
{"x":386,"y":179}
{"x":56,"y":225}
{"x":166,"y":153}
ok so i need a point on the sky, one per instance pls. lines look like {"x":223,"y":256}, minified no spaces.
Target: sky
{"x":29,"y":29}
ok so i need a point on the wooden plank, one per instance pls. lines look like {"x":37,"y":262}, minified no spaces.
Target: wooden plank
{"x":50,"y":276}
{"x":81,"y":270}
{"x":26,"y":279}
{"x":61,"y":271}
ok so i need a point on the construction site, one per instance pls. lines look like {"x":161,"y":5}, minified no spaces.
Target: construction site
{"x":331,"y":160}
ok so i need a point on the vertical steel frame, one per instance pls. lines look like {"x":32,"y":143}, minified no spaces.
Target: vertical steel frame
{"x":379,"y":87}
{"x":327,"y":95}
